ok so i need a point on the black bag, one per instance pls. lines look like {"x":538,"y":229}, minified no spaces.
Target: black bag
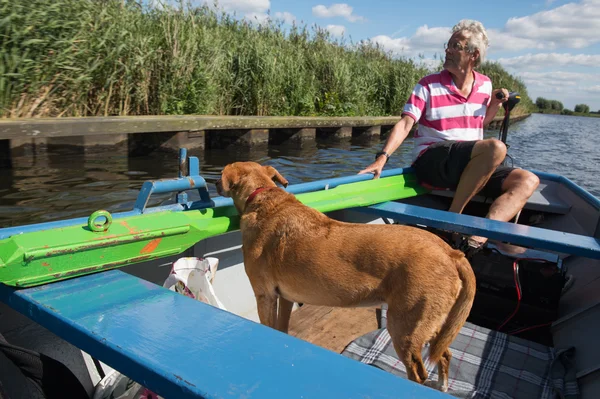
{"x":52,"y":378}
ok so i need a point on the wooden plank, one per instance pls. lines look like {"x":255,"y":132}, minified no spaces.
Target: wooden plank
{"x":332,"y":328}
{"x":62,"y":127}
{"x":98,"y":125}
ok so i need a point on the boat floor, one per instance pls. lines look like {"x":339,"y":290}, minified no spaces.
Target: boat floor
{"x":332,"y":328}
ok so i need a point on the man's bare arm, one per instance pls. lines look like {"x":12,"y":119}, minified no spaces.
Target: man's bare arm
{"x":397,"y":137}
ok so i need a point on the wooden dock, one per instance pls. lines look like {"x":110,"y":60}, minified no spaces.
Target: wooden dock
{"x":140,"y":135}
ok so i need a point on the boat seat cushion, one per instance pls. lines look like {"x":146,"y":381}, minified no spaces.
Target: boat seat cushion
{"x":485,"y":363}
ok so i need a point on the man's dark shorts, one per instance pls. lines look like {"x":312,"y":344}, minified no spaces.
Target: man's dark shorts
{"x":442,"y":164}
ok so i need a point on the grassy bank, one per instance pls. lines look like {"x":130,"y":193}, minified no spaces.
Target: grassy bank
{"x":568,"y":113}
{"x":112,"y":57}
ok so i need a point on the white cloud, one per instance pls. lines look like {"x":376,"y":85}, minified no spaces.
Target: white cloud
{"x":397,"y":46}
{"x":544,"y":60}
{"x":573,"y":25}
{"x":336,"y":10}
{"x":247,"y":7}
{"x":559,"y":84}
{"x":258,"y":17}
{"x":287,"y":17}
{"x":568,"y":87}
{"x":563,"y":79}
{"x":500,"y":41}
{"x":425,"y":39}
{"x":336,"y":30}
{"x":593,"y":89}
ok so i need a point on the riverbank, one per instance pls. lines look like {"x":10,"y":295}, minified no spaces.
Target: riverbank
{"x":589,"y":115}
{"x":142,"y":135}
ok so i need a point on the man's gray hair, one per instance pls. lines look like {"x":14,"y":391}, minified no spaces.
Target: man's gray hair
{"x":478,"y":38}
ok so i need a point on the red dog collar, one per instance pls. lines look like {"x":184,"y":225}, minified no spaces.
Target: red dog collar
{"x":255,"y":192}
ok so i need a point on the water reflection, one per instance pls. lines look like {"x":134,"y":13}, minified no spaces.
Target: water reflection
{"x":66,"y":183}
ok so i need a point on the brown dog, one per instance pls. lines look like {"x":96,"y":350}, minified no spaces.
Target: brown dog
{"x":294,"y":253}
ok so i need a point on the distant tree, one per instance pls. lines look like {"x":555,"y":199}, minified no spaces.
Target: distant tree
{"x":567,"y":112}
{"x":556,"y":105}
{"x":541,"y":103}
{"x":583,"y":108}
{"x":545,"y":104}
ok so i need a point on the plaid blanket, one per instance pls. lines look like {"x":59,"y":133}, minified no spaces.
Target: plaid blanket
{"x":485,"y":364}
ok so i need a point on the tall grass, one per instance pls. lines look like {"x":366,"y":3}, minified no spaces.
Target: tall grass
{"x":114,"y":57}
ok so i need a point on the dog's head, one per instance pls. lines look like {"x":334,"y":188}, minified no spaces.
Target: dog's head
{"x":240,"y":179}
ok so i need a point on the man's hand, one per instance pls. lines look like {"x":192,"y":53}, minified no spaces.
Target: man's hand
{"x":376,"y":167}
{"x":397,"y":136}
{"x":497,"y":102}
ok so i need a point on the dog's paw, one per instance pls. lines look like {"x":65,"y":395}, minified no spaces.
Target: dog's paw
{"x":436,"y":385}
{"x":443,"y":386}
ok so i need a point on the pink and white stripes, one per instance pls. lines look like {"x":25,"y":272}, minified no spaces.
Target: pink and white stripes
{"x":443,"y":113}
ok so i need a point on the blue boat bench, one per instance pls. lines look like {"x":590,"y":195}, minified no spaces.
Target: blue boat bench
{"x":179,"y":347}
{"x":517,"y":234}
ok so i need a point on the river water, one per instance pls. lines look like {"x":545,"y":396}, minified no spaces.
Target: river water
{"x":56,"y":185}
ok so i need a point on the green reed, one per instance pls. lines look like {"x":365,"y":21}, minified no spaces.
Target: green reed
{"x":115,"y":57}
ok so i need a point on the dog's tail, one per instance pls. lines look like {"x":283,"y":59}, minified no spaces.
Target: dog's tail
{"x":459,"y":312}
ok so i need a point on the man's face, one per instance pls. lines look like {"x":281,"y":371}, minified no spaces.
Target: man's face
{"x":458,"y":59}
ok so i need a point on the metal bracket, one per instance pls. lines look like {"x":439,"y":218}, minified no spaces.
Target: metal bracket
{"x":189,"y":178}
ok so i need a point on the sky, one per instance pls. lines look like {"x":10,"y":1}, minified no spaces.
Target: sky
{"x":552,"y":45}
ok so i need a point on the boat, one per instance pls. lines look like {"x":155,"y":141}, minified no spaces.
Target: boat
{"x":96,"y":284}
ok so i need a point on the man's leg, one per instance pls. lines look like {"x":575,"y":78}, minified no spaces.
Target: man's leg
{"x":486,"y":156}
{"x":473,"y":167}
{"x":518,"y":186}
{"x":516,"y":189}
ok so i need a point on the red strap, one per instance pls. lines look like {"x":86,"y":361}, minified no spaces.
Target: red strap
{"x":430,"y":187}
{"x":255,"y":192}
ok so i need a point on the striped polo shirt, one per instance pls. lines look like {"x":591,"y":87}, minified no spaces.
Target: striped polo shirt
{"x":443,"y":113}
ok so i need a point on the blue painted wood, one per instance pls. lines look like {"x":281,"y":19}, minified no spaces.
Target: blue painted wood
{"x":517,"y":234}
{"x":182,"y":348}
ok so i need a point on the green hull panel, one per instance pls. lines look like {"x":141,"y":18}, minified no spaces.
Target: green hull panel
{"x":42,"y":257}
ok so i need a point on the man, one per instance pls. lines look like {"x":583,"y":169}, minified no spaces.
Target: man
{"x":452,"y":108}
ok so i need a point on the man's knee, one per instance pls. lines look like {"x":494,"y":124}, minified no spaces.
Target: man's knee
{"x":531,"y":181}
{"x":492,"y":148}
{"x":522,"y":180}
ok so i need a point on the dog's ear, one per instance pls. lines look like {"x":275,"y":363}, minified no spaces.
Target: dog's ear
{"x":275,"y":176}
{"x":227,"y":180}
